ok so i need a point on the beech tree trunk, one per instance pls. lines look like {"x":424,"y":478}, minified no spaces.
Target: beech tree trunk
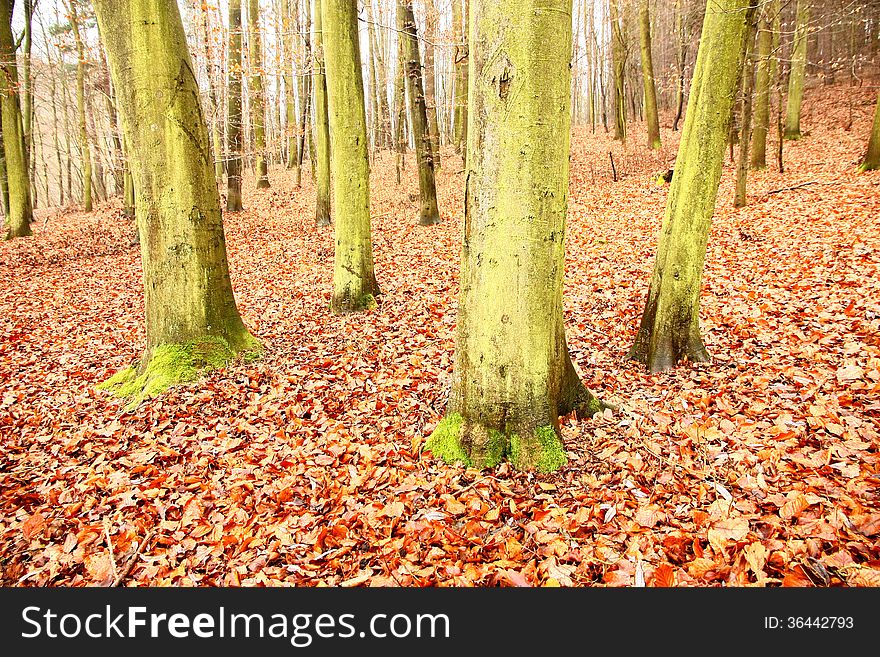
{"x":513,"y":376}
{"x":872,"y":157}
{"x":19,"y":211}
{"x":354,"y":282}
{"x":766,"y":61}
{"x":322,"y":125}
{"x":419,"y":118}
{"x":670,"y":328}
{"x":618,"y":64}
{"x":798,"y":72}
{"x":191,"y":317}
{"x":233,"y":110}
{"x":431,"y":19}
{"x":651,"y":118}
{"x":257,"y":94}
{"x":84,"y":148}
{"x":460,"y":32}
{"x":745,"y":138}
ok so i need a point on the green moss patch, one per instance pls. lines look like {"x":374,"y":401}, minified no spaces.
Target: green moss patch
{"x":445,"y":441}
{"x":543,"y":451}
{"x":171,"y":364}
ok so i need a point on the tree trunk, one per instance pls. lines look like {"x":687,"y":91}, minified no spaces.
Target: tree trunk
{"x":214,"y":109}
{"x":305,"y":96}
{"x":84,"y":149}
{"x":766,"y":60}
{"x":651,"y":118}
{"x":513,"y":376}
{"x":872,"y":157}
{"x":354,"y":283}
{"x":322,"y":125}
{"x":384,"y":124}
{"x":27,"y":88}
{"x":257,"y":94}
{"x":19,"y":211}
{"x":680,"y":61}
{"x":233,"y":110}
{"x":431,"y":19}
{"x":460,"y":34}
{"x":745,"y":138}
{"x":400,"y":97}
{"x":419,"y":118}
{"x":191,"y":318}
{"x":289,"y":98}
{"x":670,"y":329}
{"x":798,"y":71}
{"x":618,"y":63}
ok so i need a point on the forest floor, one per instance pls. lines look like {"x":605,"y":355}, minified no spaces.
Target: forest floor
{"x":758,"y":468}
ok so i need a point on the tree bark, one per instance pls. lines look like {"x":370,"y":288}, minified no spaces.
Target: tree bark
{"x":354,"y":282}
{"x":513,"y":376}
{"x":191,"y":317}
{"x":419,"y":118}
{"x":257,"y":94}
{"x":872,"y":156}
{"x":233,"y":110}
{"x":651,"y":118}
{"x":322,"y":125}
{"x":766,"y":63}
{"x":431,"y":18}
{"x":618,"y":64}
{"x":798,"y":72}
{"x":670,"y":329}
{"x":19,"y":211}
{"x":460,"y":32}
{"x":84,"y":149}
{"x":745,"y":138}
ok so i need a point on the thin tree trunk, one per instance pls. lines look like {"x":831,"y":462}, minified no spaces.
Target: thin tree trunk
{"x":431,"y":19}
{"x":214,"y":109}
{"x":670,"y":328}
{"x":680,"y":61}
{"x":354,"y":283}
{"x":798,"y":72}
{"x":191,"y":317}
{"x":460,"y":31}
{"x":85,"y":151}
{"x":742,"y":168}
{"x":513,"y":376}
{"x":257,"y":94}
{"x":400,"y":96}
{"x":651,"y":117}
{"x":233,"y":110}
{"x":419,"y":119}
{"x":322,"y":124}
{"x":618,"y":58}
{"x":766,"y":62}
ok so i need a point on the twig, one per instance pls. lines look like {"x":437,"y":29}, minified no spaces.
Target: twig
{"x":798,"y":186}
{"x":113,"y":570}
{"x":613,"y":168}
{"x":133,"y":558}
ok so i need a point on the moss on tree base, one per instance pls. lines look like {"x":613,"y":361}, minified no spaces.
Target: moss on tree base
{"x":171,"y":364}
{"x":456,"y":441}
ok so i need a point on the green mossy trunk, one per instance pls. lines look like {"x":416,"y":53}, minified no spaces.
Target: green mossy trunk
{"x":459,"y":27}
{"x":513,"y":376}
{"x":748,"y":85}
{"x":290,"y":119}
{"x":419,"y":118}
{"x":651,"y":117}
{"x":798,"y":72}
{"x":4,"y":181}
{"x":670,"y":328}
{"x":257,"y":95}
{"x":83,"y":136}
{"x":872,"y":157}
{"x":766,"y":62}
{"x":19,"y":211}
{"x":618,"y":65}
{"x":191,"y":317}
{"x":680,"y":61}
{"x":354,"y":283}
{"x":322,"y":123}
{"x":233,"y":110}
